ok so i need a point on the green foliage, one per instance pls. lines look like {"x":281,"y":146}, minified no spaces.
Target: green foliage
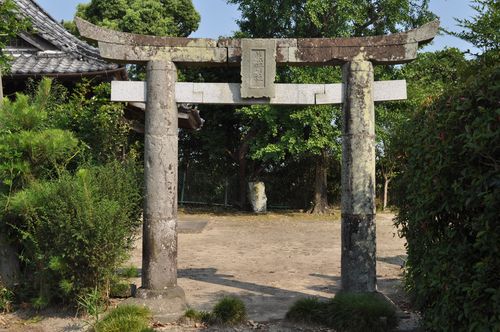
{"x":449,"y":194}
{"x":10,"y":27}
{"x":428,"y":77}
{"x":350,"y":312}
{"x":6,"y":299}
{"x":128,"y":318}
{"x":326,"y":18}
{"x":229,"y":311}
{"x":96,"y":121}
{"x":93,"y":305}
{"x":29,"y":147}
{"x":482,"y":30}
{"x":75,"y":230}
{"x":150,"y":17}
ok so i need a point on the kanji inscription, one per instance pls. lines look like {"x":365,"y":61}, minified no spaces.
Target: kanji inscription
{"x":258,"y":68}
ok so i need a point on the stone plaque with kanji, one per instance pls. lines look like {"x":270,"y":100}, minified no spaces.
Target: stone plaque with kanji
{"x":258,"y":68}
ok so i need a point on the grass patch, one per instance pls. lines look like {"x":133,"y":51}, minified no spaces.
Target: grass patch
{"x":228,"y":311}
{"x":120,"y":290}
{"x":356,"y":312}
{"x":129,"y":272}
{"x":128,"y":318}
{"x":199,"y":316}
{"x":309,"y":311}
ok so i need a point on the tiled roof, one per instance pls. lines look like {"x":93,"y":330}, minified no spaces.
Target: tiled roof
{"x":66,"y":54}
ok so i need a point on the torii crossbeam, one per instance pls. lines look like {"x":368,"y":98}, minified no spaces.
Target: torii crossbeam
{"x":258,"y":60}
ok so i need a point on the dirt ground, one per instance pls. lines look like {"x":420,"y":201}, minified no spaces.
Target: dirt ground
{"x":269,"y":261}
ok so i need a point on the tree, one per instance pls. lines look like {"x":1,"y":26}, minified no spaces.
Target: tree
{"x":313,"y":134}
{"x":482,"y":30}
{"x":428,"y":77}
{"x":10,"y":27}
{"x":149,"y":17}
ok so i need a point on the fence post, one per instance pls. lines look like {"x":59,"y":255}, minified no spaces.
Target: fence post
{"x":183,"y":186}
{"x":225,"y":192}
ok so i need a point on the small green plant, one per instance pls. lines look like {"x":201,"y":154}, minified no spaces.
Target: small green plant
{"x":92,"y":303}
{"x":128,"y":318}
{"x":229,"y":311}
{"x":6,"y":299}
{"x":350,"y":312}
{"x":40,"y":302}
{"x":199,"y":316}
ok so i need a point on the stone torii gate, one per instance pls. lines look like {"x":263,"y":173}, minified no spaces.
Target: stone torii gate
{"x":258,"y":59}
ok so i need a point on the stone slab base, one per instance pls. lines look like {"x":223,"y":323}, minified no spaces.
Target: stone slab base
{"x":166,"y":306}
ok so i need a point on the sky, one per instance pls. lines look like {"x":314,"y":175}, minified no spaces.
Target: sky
{"x":219,"y":18}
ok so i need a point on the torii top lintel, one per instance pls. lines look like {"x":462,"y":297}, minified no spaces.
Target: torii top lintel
{"x":133,"y":48}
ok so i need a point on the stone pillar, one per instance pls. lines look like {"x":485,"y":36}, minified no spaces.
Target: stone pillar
{"x":358,"y":269}
{"x":159,"y":262}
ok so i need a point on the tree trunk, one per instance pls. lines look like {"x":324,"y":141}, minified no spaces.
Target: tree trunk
{"x":386,"y":190}
{"x":320,"y":204}
{"x":1,"y":88}
{"x":242,"y":178}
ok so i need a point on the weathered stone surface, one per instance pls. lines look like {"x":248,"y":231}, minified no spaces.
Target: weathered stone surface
{"x":160,"y":171}
{"x":257,"y":196}
{"x":358,"y":271}
{"x":9,"y":264}
{"x":229,"y":93}
{"x":258,"y":68}
{"x":180,"y":55}
{"x":166,"y":305}
{"x":93,"y":32}
{"x":391,"y":49}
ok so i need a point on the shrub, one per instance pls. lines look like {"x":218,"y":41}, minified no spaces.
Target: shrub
{"x":96,"y":121}
{"x":29,"y":148}
{"x":75,"y":231}
{"x":309,"y":311}
{"x":128,"y":318}
{"x":449,"y":199}
{"x":361,"y":312}
{"x":350,"y":312}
